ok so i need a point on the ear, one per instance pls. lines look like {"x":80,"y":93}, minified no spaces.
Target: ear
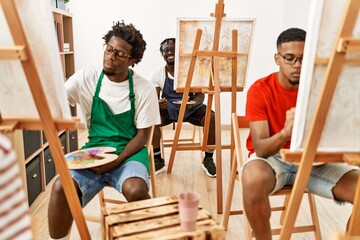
{"x":132,"y":62}
{"x":277,"y":59}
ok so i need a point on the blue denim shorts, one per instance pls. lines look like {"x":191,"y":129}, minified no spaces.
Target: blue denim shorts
{"x":90,"y":183}
{"x":322,"y":178}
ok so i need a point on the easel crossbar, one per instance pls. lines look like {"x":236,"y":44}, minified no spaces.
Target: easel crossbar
{"x":13,"y":52}
{"x":200,"y":53}
{"x":324,"y":157}
{"x":348,"y":44}
{"x":11,"y":124}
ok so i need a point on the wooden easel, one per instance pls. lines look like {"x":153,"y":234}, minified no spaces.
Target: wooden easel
{"x":46,"y":122}
{"x":344,"y":44}
{"x":214,"y":88}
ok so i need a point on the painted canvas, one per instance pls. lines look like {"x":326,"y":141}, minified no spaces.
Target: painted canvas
{"x":186,"y":32}
{"x":15,"y":97}
{"x":342,"y":128}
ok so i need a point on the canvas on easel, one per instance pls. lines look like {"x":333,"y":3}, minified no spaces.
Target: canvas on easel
{"x":342,"y":128}
{"x":338,"y":51}
{"x":212,"y":86}
{"x":32,"y":85}
{"x":186,"y":32}
{"x":15,"y":96}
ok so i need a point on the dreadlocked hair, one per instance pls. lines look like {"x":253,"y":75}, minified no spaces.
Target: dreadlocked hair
{"x":167,"y":40}
{"x":129,"y":34}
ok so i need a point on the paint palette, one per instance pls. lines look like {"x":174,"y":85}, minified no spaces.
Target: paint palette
{"x":90,"y":157}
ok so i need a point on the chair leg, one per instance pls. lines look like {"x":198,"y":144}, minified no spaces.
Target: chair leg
{"x":283,"y":213}
{"x":102,"y":199}
{"x":230,"y":192}
{"x":162,"y":143}
{"x":152,"y":172}
{"x":314,"y":216}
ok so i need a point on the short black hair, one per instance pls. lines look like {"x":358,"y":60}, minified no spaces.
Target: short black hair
{"x":167,"y":40}
{"x":291,"y":35}
{"x":131,"y":35}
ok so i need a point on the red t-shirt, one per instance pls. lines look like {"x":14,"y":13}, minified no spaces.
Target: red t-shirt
{"x":268,"y":100}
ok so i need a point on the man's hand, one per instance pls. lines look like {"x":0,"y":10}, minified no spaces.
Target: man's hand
{"x":106,"y":168}
{"x":289,"y":122}
{"x":163,"y":103}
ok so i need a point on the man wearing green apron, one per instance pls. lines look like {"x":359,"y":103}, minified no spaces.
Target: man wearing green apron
{"x":163,"y":80}
{"x":117,"y":105}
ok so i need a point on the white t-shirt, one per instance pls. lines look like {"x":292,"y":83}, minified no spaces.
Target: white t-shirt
{"x":158,"y":77}
{"x":82,"y":85}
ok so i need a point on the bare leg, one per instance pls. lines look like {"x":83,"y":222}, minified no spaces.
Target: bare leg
{"x":346,"y":187}
{"x":258,"y":181}
{"x":135,"y":189}
{"x":156,"y":137}
{"x":59,"y":215}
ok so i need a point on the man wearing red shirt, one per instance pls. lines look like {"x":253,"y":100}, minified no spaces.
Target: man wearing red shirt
{"x":270,"y":110}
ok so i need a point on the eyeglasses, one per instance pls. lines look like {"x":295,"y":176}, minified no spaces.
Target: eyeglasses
{"x":291,"y":59}
{"x":167,"y":50}
{"x":118,"y":53}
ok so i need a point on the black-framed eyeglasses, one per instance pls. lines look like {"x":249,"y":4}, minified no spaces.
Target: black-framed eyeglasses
{"x":167,"y":50}
{"x":108,"y":49}
{"x":291,"y":59}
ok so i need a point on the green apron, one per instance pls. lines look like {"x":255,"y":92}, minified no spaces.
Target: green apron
{"x":114,"y":130}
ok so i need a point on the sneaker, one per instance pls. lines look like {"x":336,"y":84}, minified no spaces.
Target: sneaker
{"x":209,"y":167}
{"x":159,"y":166}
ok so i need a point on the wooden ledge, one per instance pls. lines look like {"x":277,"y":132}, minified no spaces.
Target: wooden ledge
{"x":11,"y":124}
{"x":323,"y":157}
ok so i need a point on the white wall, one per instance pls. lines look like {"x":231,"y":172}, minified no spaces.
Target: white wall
{"x":156,"y":20}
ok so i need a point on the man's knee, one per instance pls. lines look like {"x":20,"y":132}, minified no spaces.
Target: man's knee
{"x":57,"y":189}
{"x":258,"y":178}
{"x":58,"y":193}
{"x":135,"y":189}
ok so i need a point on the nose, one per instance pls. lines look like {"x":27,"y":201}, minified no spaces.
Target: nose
{"x":297,"y":63}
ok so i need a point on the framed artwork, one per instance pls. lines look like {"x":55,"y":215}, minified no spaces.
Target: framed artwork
{"x":186,"y":33}
{"x":342,"y":127}
{"x":15,"y":97}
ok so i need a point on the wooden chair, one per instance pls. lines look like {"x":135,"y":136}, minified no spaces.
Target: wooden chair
{"x":104,"y":200}
{"x":236,"y":162}
{"x":169,"y":141}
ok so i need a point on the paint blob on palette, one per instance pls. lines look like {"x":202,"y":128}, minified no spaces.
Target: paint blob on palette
{"x":90,"y":157}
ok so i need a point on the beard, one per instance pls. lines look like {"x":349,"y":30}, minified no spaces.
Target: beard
{"x":172,"y":63}
{"x":108,"y":73}
{"x":293,"y":82}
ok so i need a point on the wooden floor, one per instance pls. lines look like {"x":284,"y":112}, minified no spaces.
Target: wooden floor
{"x":187,"y":175}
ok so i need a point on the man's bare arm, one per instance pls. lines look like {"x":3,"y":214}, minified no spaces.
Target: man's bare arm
{"x":265,"y":145}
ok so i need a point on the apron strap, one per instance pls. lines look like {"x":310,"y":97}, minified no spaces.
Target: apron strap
{"x":98,"y":86}
{"x":131,"y":88}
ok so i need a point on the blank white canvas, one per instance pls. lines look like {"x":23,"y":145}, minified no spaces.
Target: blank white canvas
{"x":15,"y":96}
{"x":342,"y":128}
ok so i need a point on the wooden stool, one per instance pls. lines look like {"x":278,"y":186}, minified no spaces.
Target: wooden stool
{"x":236,"y":163}
{"x":153,"y":219}
{"x":169,"y":141}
